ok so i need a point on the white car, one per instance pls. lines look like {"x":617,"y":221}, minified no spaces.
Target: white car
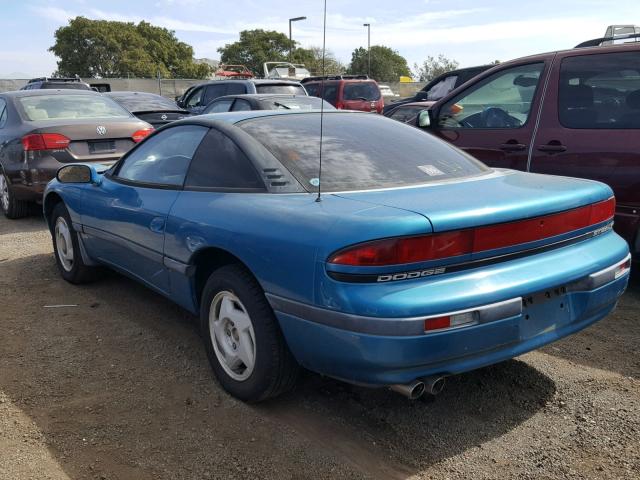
{"x":386,"y":91}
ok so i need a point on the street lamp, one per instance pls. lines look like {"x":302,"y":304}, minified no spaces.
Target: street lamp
{"x":368,"y":25}
{"x":296,"y":19}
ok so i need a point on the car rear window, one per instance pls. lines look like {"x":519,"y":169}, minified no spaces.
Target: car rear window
{"x":359,"y":151}
{"x":298,"y":103}
{"x":69,"y":107}
{"x":66,"y":85}
{"x":282,"y":88}
{"x":140,"y":102}
{"x":368,"y":91}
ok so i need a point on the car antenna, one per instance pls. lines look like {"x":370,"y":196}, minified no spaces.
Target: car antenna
{"x":324,"y":39}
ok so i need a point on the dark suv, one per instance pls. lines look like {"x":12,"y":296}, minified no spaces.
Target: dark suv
{"x":56,"y":83}
{"x":348,"y":92}
{"x":574,"y":113}
{"x":196,"y":98}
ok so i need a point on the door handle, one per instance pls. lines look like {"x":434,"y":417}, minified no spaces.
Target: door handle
{"x":157,"y":225}
{"x":513,"y":147}
{"x":552,"y":148}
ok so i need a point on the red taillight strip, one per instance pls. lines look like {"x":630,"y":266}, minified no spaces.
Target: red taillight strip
{"x":44,"y":141}
{"x":395,"y":251}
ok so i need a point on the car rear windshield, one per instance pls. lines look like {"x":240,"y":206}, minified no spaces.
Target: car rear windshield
{"x":66,"y":86}
{"x":361,"y":91}
{"x":141,"y":102}
{"x":359,"y":151}
{"x":281,"y":88}
{"x":69,"y":107}
{"x":297,"y":103}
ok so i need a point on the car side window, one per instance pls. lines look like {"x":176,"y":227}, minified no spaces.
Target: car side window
{"x":220,"y":164}
{"x":3,"y":113}
{"x":214,"y":91}
{"x":236,"y":89}
{"x":404,"y":114}
{"x":164,"y":158}
{"x":195,"y":98}
{"x":241,"y":105}
{"x":600,"y":91}
{"x":218,"y":106}
{"x":441,"y":88}
{"x":502,"y":100}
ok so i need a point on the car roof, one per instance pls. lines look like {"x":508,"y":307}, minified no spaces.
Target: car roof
{"x":264,"y":96}
{"x":258,"y":81}
{"x":49,"y":91}
{"x":129,"y":94}
{"x":240,"y":116}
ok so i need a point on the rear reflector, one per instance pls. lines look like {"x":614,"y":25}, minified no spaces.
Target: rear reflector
{"x":141,"y":134}
{"x":45,"y":141}
{"x":402,"y":250}
{"x":450,"y":321}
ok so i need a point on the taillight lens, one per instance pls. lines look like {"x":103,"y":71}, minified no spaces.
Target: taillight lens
{"x":141,"y":134}
{"x":451,"y":321}
{"x":45,"y":141}
{"x":401,"y":250}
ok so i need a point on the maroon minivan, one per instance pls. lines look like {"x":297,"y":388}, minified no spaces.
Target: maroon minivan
{"x":573,"y":113}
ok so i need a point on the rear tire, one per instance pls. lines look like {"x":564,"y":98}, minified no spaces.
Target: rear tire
{"x":245,"y":346}
{"x":11,"y":208}
{"x":66,"y":248}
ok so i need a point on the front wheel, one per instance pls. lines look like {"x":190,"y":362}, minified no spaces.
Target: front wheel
{"x":66,"y":248}
{"x":245,"y":346}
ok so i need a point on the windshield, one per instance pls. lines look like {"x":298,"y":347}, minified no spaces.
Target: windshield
{"x":69,"y":107}
{"x":361,"y":91}
{"x":140,"y":102}
{"x":359,"y":151}
{"x":282,"y":88}
{"x":297,"y":103}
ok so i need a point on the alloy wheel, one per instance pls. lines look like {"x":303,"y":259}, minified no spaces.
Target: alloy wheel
{"x":64,"y":245}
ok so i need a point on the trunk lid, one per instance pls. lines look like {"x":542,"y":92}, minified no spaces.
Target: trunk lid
{"x":501,"y":196}
{"x":93,"y":140}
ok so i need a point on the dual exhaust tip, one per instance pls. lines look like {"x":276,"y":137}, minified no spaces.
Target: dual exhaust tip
{"x":417,"y":388}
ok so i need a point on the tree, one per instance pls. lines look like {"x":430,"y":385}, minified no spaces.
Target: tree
{"x":256,"y":47}
{"x":432,"y":67}
{"x":387,"y":65}
{"x":101,"y":48}
{"x":312,"y":59}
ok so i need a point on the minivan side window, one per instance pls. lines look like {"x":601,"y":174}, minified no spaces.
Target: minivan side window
{"x":502,"y":100}
{"x":220,"y":164}
{"x":600,"y":91}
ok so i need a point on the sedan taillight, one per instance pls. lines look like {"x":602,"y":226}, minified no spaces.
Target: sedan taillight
{"x":422,"y":248}
{"x":141,"y":134}
{"x":44,"y":141}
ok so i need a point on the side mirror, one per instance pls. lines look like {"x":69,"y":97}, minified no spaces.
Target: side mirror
{"x":421,"y":96}
{"x":424,"y":119}
{"x":78,"y":173}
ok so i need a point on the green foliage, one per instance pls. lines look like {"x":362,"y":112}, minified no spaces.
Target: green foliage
{"x":387,"y":65}
{"x":432,"y":67}
{"x":101,"y":48}
{"x":256,"y":47}
{"x":312,"y":59}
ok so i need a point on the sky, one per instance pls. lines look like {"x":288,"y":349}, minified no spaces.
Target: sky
{"x":473,"y":32}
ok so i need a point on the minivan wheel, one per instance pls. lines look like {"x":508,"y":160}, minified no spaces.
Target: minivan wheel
{"x":11,"y":208}
{"x":245,"y":346}
{"x":66,"y":248}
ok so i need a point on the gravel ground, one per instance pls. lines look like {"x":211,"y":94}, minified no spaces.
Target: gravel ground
{"x":118,"y":387}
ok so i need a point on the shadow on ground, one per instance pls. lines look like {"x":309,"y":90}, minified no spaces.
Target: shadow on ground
{"x":119,"y":386}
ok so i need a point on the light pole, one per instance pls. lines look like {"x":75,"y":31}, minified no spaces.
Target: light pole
{"x":296,"y":19}
{"x":368,"y":25}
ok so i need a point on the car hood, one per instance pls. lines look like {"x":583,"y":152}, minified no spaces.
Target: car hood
{"x":498,"y":197}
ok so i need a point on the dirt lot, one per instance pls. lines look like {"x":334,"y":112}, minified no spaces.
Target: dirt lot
{"x":118,"y":387}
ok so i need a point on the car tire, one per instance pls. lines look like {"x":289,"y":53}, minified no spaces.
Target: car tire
{"x":66,"y":248}
{"x":10,"y":206}
{"x":245,"y":346}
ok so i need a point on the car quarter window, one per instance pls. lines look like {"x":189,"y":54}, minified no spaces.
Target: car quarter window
{"x":164,"y":158}
{"x":241,"y":105}
{"x":218,"y":106}
{"x":600,"y":91}
{"x":220,"y":164}
{"x":3,"y":113}
{"x":502,"y":100}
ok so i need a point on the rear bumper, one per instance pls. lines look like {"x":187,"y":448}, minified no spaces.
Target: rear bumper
{"x":544,"y":316}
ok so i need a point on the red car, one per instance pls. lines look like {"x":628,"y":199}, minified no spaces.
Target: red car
{"x":347,"y":92}
{"x":574,"y":113}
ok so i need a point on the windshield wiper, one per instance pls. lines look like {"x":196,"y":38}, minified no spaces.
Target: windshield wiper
{"x":278,"y":104}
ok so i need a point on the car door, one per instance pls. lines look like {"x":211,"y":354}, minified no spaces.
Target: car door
{"x":493,"y":119}
{"x":125,"y":216}
{"x":590,"y":127}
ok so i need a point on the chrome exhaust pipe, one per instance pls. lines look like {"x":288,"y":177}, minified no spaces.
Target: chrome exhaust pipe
{"x":433,"y":385}
{"x":412,"y":390}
